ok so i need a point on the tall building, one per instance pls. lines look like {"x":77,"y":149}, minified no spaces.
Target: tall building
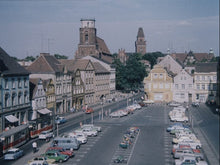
{"x":140,"y":43}
{"x":90,"y":44}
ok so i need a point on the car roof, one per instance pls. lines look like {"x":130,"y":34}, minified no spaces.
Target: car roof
{"x":13,"y":149}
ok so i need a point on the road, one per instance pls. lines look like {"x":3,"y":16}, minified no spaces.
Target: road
{"x":152,"y":145}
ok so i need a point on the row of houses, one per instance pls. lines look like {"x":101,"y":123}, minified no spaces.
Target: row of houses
{"x":50,"y":87}
{"x":170,"y":81}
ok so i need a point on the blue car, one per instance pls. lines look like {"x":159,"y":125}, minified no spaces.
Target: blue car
{"x":13,"y":154}
{"x":171,"y":126}
{"x":60,"y":120}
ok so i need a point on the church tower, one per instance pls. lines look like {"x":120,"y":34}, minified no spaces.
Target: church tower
{"x":87,"y":44}
{"x":140,"y":43}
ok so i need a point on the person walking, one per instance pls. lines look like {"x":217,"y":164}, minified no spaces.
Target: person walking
{"x":34,"y":146}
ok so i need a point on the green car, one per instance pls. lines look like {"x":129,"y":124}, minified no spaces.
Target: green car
{"x":177,"y":131}
{"x":57,"y":156}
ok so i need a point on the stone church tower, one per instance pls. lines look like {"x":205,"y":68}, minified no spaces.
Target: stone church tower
{"x":90,"y":44}
{"x":140,"y":43}
{"x":87,"y":43}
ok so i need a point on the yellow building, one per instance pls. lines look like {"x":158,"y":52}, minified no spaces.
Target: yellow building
{"x":158,"y":85}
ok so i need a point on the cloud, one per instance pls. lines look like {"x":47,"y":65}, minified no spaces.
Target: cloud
{"x":184,"y":23}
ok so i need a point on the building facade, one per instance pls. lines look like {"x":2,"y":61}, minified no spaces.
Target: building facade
{"x":102,"y":77}
{"x":158,"y":85}
{"x":183,"y":87}
{"x":41,"y":119}
{"x":205,"y":82}
{"x":110,"y":68}
{"x":14,"y":102}
{"x":46,"y":67}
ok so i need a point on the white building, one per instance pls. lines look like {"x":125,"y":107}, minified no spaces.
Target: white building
{"x":183,"y":87}
{"x":205,"y":82}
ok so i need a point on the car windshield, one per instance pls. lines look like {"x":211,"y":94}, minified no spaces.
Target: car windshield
{"x":11,"y":152}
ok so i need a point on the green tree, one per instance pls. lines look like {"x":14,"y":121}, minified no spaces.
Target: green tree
{"x":58,"y":56}
{"x":29,"y":58}
{"x":135,"y":72}
{"x":152,"y":57}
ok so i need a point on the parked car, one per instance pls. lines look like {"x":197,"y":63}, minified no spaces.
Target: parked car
{"x":142,"y":104}
{"x":89,"y":110}
{"x":41,"y":160}
{"x":13,"y":154}
{"x":81,"y":137}
{"x":57,"y":156}
{"x":186,"y":146}
{"x":190,"y":160}
{"x":186,"y":137}
{"x":61,"y":150}
{"x":187,"y":152}
{"x":60,"y":120}
{"x":195,"y":104}
{"x":92,"y":126}
{"x":87,"y":131}
{"x":67,"y":143}
{"x":193,"y":144}
{"x":45,"y":135}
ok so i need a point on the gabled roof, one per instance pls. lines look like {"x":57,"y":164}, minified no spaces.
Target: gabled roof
{"x":45,"y":64}
{"x":33,"y":86}
{"x":73,"y":65}
{"x":99,"y":68}
{"x":102,"y":46}
{"x":140,"y":32}
{"x":206,"y":67}
{"x":200,"y":56}
{"x":8,"y":66}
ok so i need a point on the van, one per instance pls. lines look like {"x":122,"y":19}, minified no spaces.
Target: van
{"x":67,"y":143}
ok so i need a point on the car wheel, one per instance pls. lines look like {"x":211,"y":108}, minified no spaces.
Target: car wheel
{"x":60,"y":161}
{"x":198,"y":147}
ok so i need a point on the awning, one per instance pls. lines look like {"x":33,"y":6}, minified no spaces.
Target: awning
{"x":11,"y":118}
{"x":44,"y":111}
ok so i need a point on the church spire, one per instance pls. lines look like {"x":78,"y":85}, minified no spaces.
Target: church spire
{"x":140,"y":43}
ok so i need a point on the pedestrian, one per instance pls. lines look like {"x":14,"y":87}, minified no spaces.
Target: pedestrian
{"x":34,"y":145}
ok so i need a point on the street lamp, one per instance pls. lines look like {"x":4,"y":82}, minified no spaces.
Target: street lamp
{"x":102,"y":98}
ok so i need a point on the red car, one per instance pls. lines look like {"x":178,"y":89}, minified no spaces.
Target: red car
{"x":89,"y":110}
{"x":62,"y":151}
{"x":187,"y":146}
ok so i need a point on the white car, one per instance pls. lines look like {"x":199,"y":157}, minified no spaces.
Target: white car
{"x":91,"y":126}
{"x":185,"y":138}
{"x":88,"y":132}
{"x":189,"y":160}
{"x":81,"y":137}
{"x":118,"y":113}
{"x":45,"y":135}
{"x":179,"y":118}
{"x":191,"y":143}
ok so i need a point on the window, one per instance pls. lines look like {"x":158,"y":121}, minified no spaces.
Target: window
{"x":161,"y":85}
{"x":203,"y":78}
{"x":161,"y":75}
{"x":13,"y":83}
{"x":198,"y":86}
{"x":155,"y":85}
{"x":190,"y":86}
{"x":176,"y":86}
{"x":182,"y":95}
{"x":214,"y":78}
{"x":6,"y":83}
{"x":155,"y":75}
{"x":214,"y":87}
{"x":183,"y":86}
{"x":19,"y":83}
{"x":167,"y":85}
{"x":203,"y":86}
{"x":198,"y":78}
{"x":6,"y":100}
{"x":86,"y":38}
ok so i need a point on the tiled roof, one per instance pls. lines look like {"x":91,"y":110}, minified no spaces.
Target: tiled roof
{"x":8,"y":66}
{"x":45,"y":64}
{"x":206,"y":67}
{"x":179,"y":56}
{"x":99,"y":68}
{"x":102,"y":46}
{"x":73,"y":65}
{"x":200,"y":56}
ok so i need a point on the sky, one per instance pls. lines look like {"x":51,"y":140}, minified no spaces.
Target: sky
{"x":30,"y":27}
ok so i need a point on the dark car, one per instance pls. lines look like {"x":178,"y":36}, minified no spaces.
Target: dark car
{"x":61,"y":150}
